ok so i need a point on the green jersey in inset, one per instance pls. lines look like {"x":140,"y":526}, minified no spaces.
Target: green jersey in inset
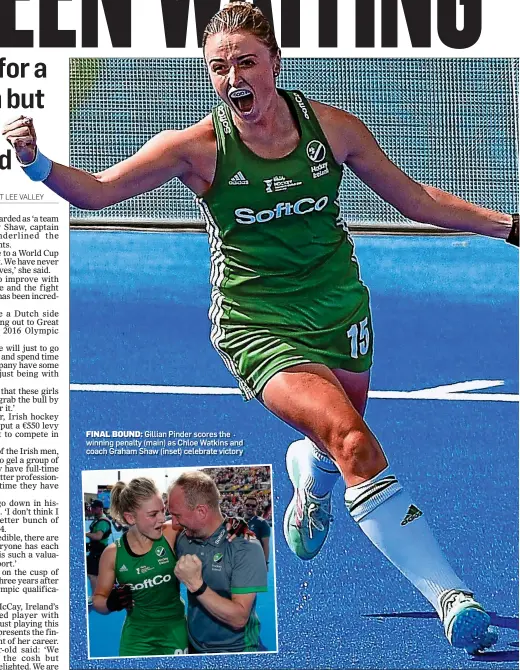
{"x":156,"y":625}
{"x":155,"y":589}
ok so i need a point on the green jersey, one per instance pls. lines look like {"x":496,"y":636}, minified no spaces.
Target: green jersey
{"x":282,"y":261}
{"x":155,"y":589}
{"x":100,"y":524}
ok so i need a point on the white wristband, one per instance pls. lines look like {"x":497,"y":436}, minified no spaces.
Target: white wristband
{"x":39,"y":169}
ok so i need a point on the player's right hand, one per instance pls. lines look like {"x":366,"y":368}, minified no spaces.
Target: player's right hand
{"x":120,"y":598}
{"x":21,"y":136}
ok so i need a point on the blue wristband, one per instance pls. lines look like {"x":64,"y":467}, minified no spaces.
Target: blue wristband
{"x":39,"y":169}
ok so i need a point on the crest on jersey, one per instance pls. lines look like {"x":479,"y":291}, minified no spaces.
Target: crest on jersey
{"x":316,"y":151}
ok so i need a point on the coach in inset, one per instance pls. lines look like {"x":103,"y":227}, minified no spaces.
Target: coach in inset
{"x":222,"y":578}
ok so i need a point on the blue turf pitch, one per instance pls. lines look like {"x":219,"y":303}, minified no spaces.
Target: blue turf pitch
{"x":445,"y":311}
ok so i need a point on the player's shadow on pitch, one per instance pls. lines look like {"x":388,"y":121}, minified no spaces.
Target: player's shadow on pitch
{"x":496,"y":620}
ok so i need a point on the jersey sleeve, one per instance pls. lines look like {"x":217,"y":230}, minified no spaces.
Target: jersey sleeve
{"x":102,"y":525}
{"x":249,"y":574}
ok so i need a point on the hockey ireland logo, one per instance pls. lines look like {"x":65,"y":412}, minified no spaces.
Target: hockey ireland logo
{"x":316,"y":151}
{"x":216,"y":565}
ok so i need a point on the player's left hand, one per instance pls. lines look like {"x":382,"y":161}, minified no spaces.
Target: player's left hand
{"x":189,"y":571}
{"x":120,"y":598}
{"x":237,"y":527}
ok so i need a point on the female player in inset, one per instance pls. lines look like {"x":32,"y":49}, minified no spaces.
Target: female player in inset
{"x":136,"y":573}
{"x":290,"y":315}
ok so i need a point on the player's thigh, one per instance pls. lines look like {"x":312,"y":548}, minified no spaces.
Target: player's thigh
{"x":311,"y":399}
{"x":355,"y":385}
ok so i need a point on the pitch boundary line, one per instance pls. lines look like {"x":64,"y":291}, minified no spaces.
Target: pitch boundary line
{"x":456,"y":391}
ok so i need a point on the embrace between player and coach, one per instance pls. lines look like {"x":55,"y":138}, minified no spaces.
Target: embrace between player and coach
{"x":221,"y":564}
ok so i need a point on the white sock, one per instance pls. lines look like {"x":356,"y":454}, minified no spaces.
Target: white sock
{"x":319,"y":472}
{"x":390,"y":520}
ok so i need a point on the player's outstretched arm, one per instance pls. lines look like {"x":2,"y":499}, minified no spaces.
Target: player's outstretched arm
{"x":158,"y":161}
{"x":419,"y":202}
{"x":354,"y":145}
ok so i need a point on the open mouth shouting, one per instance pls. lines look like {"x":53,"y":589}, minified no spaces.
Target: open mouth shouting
{"x":242,"y":99}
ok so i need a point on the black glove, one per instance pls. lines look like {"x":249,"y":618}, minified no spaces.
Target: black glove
{"x":513,"y":235}
{"x":120,"y":598}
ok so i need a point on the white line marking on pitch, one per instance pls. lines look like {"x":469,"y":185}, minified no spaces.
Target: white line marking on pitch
{"x":475,"y":385}
{"x":420,"y":395}
{"x":456,"y":391}
{"x":175,"y":390}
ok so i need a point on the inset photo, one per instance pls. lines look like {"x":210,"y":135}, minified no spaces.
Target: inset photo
{"x":181,"y":560}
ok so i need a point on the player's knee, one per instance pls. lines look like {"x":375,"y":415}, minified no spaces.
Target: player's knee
{"x":356,"y":449}
{"x":353,"y":445}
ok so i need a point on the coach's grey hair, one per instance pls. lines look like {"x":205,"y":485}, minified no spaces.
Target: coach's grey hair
{"x":198,"y":489}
